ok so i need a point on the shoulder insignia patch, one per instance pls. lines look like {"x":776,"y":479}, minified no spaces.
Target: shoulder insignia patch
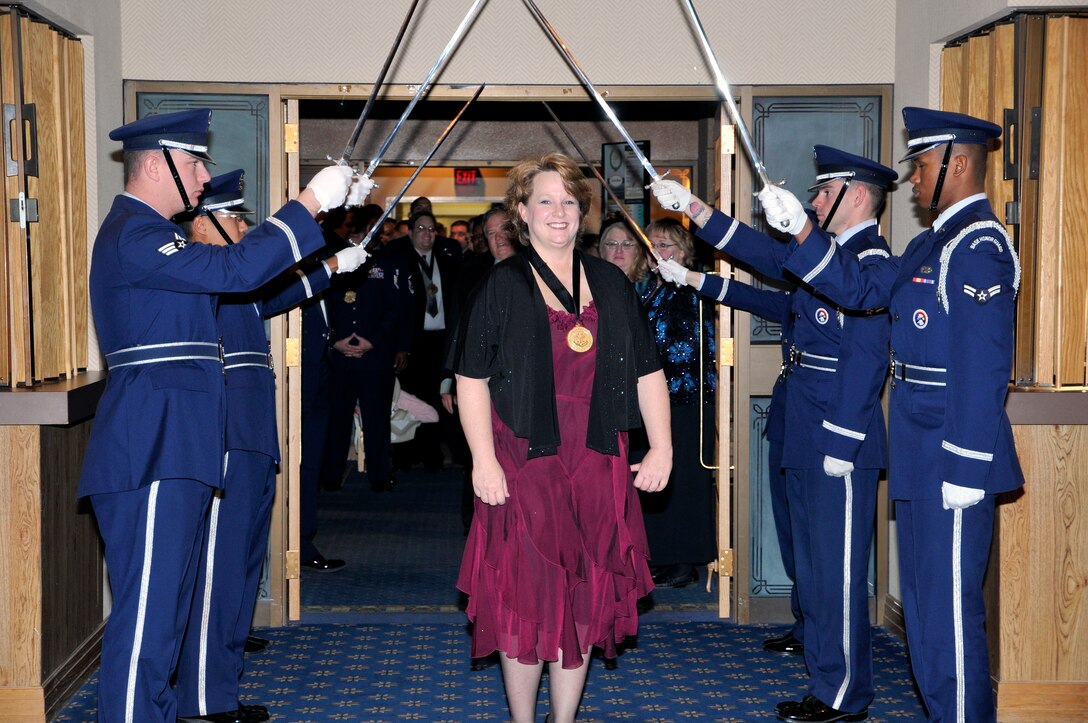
{"x":982,"y":295}
{"x":987,"y":239}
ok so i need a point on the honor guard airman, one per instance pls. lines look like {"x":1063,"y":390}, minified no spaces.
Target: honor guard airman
{"x":951,"y":297}
{"x":236,"y":534}
{"x":835,"y":443}
{"x":156,"y":454}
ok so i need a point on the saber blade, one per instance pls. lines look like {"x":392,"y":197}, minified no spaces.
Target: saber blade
{"x":425,"y":85}
{"x":608,"y":189}
{"x":422,"y":164}
{"x":345,"y":157}
{"x":591,"y":88}
{"x":727,"y":95}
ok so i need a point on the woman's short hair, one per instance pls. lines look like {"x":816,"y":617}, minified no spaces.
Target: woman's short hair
{"x":521,"y":187}
{"x":674,"y":231}
{"x":642,"y":266}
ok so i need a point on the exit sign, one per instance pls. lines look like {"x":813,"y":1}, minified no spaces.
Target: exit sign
{"x":467,"y":177}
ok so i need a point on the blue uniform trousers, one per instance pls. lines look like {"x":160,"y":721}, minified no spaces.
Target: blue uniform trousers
{"x":231,"y":559}
{"x":373,"y":389}
{"x":152,"y":537}
{"x":942,"y":562}
{"x":833,"y":520}
{"x":780,"y":508}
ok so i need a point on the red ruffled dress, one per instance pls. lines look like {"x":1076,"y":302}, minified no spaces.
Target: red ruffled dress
{"x":561,"y":565}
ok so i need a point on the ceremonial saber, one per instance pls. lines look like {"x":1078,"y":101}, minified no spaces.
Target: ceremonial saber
{"x":438,"y":64}
{"x":422,"y":164}
{"x":608,"y":189}
{"x":345,"y":157}
{"x":592,"y":89}
{"x":727,"y":95}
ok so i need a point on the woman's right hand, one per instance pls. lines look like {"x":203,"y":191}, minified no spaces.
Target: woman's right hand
{"x":489,"y":481}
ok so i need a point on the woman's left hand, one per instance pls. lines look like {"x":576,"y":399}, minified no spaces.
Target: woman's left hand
{"x":652,"y":474}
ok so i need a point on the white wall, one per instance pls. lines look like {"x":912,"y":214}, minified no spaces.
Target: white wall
{"x":643,"y":42}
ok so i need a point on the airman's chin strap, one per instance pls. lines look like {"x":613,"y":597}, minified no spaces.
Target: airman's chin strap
{"x":177,"y":179}
{"x":940,"y":177}
{"x":835,"y":206}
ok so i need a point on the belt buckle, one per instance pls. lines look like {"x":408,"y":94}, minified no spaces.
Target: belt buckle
{"x":222,"y":356}
{"x":795,"y":356}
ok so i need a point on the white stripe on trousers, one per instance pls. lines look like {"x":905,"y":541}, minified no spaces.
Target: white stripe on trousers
{"x":141,"y":609}
{"x":206,"y":608}
{"x":957,"y":614}
{"x":847,"y":536}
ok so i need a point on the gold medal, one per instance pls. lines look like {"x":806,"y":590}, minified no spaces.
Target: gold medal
{"x":349,"y":297}
{"x":580,"y":339}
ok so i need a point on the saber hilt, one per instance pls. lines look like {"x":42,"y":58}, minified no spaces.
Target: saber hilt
{"x":422,"y":164}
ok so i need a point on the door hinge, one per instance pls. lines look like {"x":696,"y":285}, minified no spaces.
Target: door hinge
{"x":291,"y":565}
{"x":25,"y":209}
{"x":725,"y":356}
{"x":725,"y":562}
{"x":1012,"y":213}
{"x":290,"y":137}
{"x":293,"y":353}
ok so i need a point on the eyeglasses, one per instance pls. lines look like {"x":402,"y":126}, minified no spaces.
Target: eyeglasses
{"x":662,"y":246}
{"x":231,"y":216}
{"x":612,"y":245}
{"x":425,"y":229}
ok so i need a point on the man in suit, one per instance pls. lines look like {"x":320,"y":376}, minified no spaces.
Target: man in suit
{"x":156,"y":454}
{"x":952,"y":300}
{"x":434,"y":276}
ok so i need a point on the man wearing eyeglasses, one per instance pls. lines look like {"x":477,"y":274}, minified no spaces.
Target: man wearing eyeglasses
{"x":433,"y":277}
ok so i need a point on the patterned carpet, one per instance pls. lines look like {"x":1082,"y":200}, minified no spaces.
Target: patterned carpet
{"x":383,"y":638}
{"x":697,"y":671}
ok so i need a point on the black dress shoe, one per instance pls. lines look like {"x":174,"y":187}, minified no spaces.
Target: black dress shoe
{"x":318,"y":562}
{"x":813,"y":710}
{"x":382,"y":484}
{"x":790,"y":706}
{"x":255,"y":644}
{"x":679,"y":575}
{"x":244,"y":714}
{"x":785,"y":645}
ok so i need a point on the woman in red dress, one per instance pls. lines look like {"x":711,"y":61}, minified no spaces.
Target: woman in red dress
{"x":555,"y":362}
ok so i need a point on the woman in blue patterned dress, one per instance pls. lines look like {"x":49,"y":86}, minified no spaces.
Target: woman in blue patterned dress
{"x":680,"y":521}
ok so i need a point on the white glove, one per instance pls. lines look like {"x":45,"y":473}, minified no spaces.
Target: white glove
{"x":834,"y":467}
{"x":782,"y":209}
{"x":330,"y":186}
{"x":360,"y":188}
{"x":671,"y":195}
{"x":955,"y":497}
{"x":673,"y":271}
{"x":349,"y":259}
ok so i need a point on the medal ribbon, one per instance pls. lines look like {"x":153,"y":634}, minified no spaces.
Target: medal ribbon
{"x":570,"y":303}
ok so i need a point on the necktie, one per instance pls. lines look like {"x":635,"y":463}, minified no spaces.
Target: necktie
{"x":427,"y":264}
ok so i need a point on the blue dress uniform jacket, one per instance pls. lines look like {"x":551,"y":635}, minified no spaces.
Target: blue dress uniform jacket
{"x":952,"y":298}
{"x":148,"y":286}
{"x":836,"y":414}
{"x":250,"y":379}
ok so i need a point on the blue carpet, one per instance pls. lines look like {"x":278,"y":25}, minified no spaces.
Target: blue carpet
{"x":694,"y":671}
{"x":403,"y":550}
{"x":383,"y":639}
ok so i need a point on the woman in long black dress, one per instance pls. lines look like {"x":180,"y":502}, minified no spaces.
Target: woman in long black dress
{"x":554,"y":362}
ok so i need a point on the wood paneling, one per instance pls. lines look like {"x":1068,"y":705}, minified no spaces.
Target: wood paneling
{"x":17,"y":293}
{"x":1064,"y":188}
{"x":75,"y":198}
{"x":1040,"y":574}
{"x":20,"y":558}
